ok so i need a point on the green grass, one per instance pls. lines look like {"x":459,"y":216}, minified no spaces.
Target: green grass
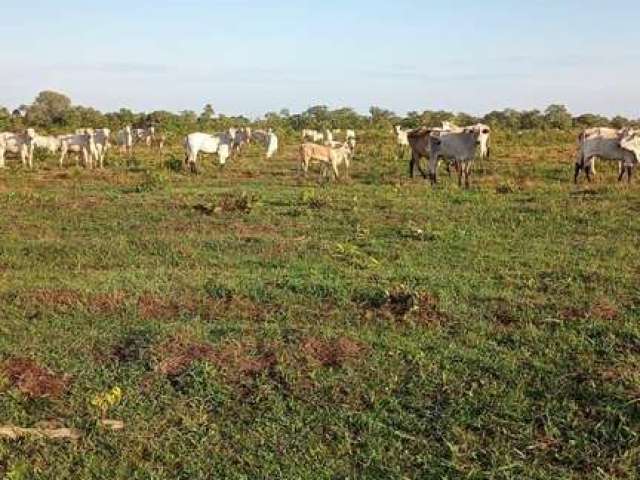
{"x":264,"y":326}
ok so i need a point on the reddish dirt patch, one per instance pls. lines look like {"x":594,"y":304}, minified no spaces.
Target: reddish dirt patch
{"x":61,"y":300}
{"x":106,"y":303}
{"x":177,"y":355}
{"x":155,"y":307}
{"x":603,"y":309}
{"x":235,"y":358}
{"x":332,"y":353}
{"x":32,"y":379}
{"x":573,"y":313}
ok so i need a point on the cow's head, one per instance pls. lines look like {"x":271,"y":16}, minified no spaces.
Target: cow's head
{"x":631,"y":142}
{"x":481,"y":133}
{"x":31,"y":133}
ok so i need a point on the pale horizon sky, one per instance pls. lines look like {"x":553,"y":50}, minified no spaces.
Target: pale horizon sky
{"x":250,"y":57}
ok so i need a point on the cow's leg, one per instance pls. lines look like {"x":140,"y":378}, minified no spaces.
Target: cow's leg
{"x":467,"y":172}
{"x":629,"y":173}
{"x":621,"y":171}
{"x":460,"y":171}
{"x":2,"y":164}
{"x":334,"y":168}
{"x":577,"y":173}
{"x":412,"y":165}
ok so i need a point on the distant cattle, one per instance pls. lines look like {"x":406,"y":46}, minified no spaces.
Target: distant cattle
{"x":21,"y":144}
{"x":83,"y":144}
{"x":272,"y":144}
{"x":312,"y":136}
{"x":49,"y":144}
{"x":144,"y":135}
{"x":125,"y":139}
{"x":101,"y":138}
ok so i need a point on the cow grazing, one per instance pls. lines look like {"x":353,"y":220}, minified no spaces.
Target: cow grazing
{"x":607,"y":144}
{"x":81,"y":144}
{"x":21,"y":144}
{"x":327,"y":157}
{"x":458,"y":147}
{"x":195,"y":143}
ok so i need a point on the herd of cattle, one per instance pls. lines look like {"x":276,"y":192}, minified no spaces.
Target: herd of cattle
{"x":457,"y":146}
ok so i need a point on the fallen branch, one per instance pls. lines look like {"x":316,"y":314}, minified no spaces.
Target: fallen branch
{"x":14,"y":433}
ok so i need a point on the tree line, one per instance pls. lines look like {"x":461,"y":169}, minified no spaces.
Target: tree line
{"x":55,"y":113}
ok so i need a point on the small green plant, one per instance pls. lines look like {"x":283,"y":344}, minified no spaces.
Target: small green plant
{"x":174,"y":164}
{"x":152,"y":181}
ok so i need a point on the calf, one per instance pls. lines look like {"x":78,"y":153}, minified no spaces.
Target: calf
{"x":327,"y":156}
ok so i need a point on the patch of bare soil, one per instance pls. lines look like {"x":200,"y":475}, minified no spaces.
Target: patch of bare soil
{"x":404,"y":305}
{"x":233,"y":359}
{"x":32,"y":379}
{"x":333,"y":353}
{"x":602,"y":309}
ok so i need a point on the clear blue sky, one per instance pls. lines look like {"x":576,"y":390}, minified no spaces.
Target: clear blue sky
{"x":253,"y":56}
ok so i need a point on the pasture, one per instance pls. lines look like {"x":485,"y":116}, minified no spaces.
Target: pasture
{"x":247,"y":323}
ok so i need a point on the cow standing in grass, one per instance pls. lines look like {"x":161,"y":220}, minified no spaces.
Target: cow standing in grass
{"x":608,"y":144}
{"x":196,"y":143}
{"x":19,"y":144}
{"x":460,"y":148}
{"x":326,"y":156}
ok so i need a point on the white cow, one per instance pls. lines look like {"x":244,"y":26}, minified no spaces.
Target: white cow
{"x":272,"y":144}
{"x":19,"y":144}
{"x":195,"y":143}
{"x":458,"y":147}
{"x":81,"y":144}
{"x":328,"y":136}
{"x":327,"y":157}
{"x":124,"y":139}
{"x":350,"y":138}
{"x":101,"y":141}
{"x":607,"y":144}
{"x":49,"y":144}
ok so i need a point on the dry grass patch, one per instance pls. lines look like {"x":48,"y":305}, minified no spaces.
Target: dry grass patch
{"x":33,"y":380}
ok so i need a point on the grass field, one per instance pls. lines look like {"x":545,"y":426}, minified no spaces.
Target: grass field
{"x":259,"y":325}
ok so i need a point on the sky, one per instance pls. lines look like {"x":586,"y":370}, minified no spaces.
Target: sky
{"x":254,"y":56}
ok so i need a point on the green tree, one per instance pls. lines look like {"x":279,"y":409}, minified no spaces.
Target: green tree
{"x":48,"y":108}
{"x":558,"y":116}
